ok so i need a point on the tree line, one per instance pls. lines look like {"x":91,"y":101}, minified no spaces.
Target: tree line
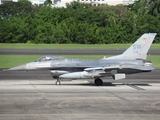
{"x":23,"y":22}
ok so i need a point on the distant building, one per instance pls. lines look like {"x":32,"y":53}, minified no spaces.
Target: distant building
{"x":37,"y":1}
{"x":3,"y":1}
{"x":33,"y":1}
{"x":62,"y":3}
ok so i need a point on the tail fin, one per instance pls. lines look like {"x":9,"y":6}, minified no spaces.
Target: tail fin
{"x":139,"y":49}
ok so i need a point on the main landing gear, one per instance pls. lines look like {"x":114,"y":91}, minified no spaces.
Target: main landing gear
{"x":58,"y":82}
{"x":98,"y":82}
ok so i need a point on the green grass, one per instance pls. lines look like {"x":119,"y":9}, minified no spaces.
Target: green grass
{"x":155,"y":59}
{"x":7,"y":61}
{"x":72,"y":46}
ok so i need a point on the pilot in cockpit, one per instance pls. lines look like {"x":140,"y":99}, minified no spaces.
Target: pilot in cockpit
{"x":47,"y":58}
{"x":44,"y":58}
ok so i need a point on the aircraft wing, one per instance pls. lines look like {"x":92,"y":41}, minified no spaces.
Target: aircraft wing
{"x":113,"y":67}
{"x":103,"y":71}
{"x":102,"y":68}
{"x":112,"y":70}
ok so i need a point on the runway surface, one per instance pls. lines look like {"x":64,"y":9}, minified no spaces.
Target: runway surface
{"x":78,"y":100}
{"x":24,"y":51}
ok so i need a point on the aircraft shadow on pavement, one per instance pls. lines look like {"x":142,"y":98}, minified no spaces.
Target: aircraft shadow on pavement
{"x":73,"y":84}
{"x":140,"y":84}
{"x":92,"y":84}
{"x":86,"y":84}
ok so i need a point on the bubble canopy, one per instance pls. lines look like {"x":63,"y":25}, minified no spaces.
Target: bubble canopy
{"x":48,"y":58}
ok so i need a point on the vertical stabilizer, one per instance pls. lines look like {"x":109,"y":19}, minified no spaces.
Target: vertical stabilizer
{"x":139,"y":49}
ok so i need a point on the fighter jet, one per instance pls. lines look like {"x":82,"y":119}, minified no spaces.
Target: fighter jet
{"x":131,"y":61}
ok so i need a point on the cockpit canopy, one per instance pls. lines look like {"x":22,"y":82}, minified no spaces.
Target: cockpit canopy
{"x":48,"y":58}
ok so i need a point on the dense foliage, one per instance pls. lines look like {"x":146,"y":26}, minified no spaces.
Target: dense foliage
{"x":22,"y":22}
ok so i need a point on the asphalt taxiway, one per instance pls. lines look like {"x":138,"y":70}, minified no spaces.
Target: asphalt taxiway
{"x":33,"y":51}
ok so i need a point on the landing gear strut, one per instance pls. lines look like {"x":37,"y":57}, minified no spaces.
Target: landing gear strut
{"x":58,"y":82}
{"x":98,"y":82}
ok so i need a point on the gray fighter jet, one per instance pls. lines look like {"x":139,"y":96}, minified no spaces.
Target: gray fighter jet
{"x":133,"y":60}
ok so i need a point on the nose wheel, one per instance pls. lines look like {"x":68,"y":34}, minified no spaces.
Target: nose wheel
{"x":98,"y":82}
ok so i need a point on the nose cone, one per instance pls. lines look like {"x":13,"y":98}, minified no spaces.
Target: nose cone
{"x":21,"y":67}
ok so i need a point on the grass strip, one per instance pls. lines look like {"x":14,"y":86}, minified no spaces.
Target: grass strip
{"x":8,"y":61}
{"x":71,"y":46}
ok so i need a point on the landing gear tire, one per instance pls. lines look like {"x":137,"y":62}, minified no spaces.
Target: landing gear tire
{"x":58,"y":82}
{"x":98,"y":82}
